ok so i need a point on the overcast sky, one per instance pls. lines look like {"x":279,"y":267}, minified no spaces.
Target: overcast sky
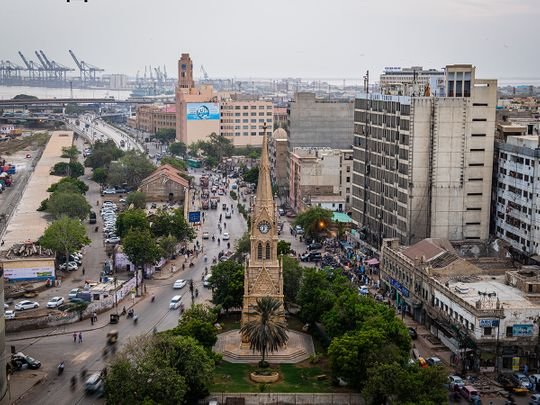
{"x":278,"y":38}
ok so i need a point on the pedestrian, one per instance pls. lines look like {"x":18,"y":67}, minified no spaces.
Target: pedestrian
{"x":92,"y":320}
{"x":83,"y":271}
{"x":3,"y":241}
{"x":80,"y":337}
{"x":74,"y":337}
{"x":95,"y":316}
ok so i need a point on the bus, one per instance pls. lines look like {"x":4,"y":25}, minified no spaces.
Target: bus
{"x":194,"y":163}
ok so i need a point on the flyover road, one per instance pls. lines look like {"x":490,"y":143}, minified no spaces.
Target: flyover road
{"x":51,"y":346}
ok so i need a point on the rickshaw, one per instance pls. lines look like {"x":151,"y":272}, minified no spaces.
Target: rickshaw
{"x":112,"y":337}
{"x":114,"y":318}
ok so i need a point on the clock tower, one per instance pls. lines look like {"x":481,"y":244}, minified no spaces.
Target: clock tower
{"x":264,"y":274}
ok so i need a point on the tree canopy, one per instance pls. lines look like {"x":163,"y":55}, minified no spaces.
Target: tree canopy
{"x":141,"y":247}
{"x":198,"y":322}
{"x":70,"y":152}
{"x":103,"y":153}
{"x":174,"y":162}
{"x":215,"y":148}
{"x":171,"y":222}
{"x":73,"y":169}
{"x":72,"y":204}
{"x":130,"y":169}
{"x":178,"y":148}
{"x":65,"y":183}
{"x":228,"y":284}
{"x":137,"y":199}
{"x":131,"y":219}
{"x":165,"y":135}
{"x":64,"y":235}
{"x":314,"y":221}
{"x":252,"y":175}
{"x":292,"y":274}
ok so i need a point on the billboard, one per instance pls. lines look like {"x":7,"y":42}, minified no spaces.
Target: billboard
{"x":194,"y":217}
{"x":522,"y":330}
{"x":202,"y":111}
{"x":29,"y":273}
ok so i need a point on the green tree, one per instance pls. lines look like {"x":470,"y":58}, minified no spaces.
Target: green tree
{"x":172,"y":222}
{"x":64,"y":235}
{"x":215,"y":148}
{"x":165,"y":135}
{"x":194,"y":148}
{"x":141,"y":247}
{"x":228,"y":284}
{"x":292,"y":274}
{"x":130,"y":169}
{"x":73,"y":169}
{"x":283,"y":247}
{"x":314,"y":221}
{"x":315,"y":295}
{"x":70,"y":152}
{"x":99,"y":175}
{"x":198,"y":322}
{"x":243,"y":245}
{"x":103,"y":154}
{"x":410,"y":385}
{"x":137,"y":199}
{"x":178,"y":148}
{"x":252,"y":175}
{"x":268,"y":331}
{"x":73,"y":205}
{"x":69,"y":184}
{"x":174,"y":162}
{"x":131,"y":219}
{"x":168,"y":245}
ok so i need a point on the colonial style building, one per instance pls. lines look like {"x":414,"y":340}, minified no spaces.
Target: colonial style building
{"x":151,"y":118}
{"x":165,"y":184}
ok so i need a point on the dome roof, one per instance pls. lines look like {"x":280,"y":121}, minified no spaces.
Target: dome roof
{"x":279,"y":133}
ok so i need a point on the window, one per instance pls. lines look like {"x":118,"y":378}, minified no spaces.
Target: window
{"x":474,"y":209}
{"x":268,"y":250}
{"x":487,"y":331}
{"x":479,"y":119}
{"x":474,"y":193}
{"x":478,"y":134}
{"x":478,"y":150}
{"x":509,"y":331}
{"x":475,"y":164}
{"x":476,"y":179}
{"x":259,"y":251}
{"x":480,"y":104}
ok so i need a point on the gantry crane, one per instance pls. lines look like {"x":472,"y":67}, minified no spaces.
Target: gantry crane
{"x":33,"y":68}
{"x":87,"y":71}
{"x":58,"y":70}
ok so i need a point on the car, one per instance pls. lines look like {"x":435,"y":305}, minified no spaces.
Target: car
{"x":176,"y":301}
{"x":363,"y":290}
{"x":108,"y":191}
{"x":113,"y":240}
{"x":281,"y":212}
{"x":299,"y":230}
{"x":534,"y":399}
{"x":6,"y":306}
{"x":9,"y":314}
{"x":25,"y":304}
{"x":69,"y":266}
{"x":314,"y":246}
{"x":206,"y":280}
{"x":225,"y":236}
{"x":455,"y":383}
{"x":19,"y":360}
{"x":412,"y":332}
{"x":434,"y":361}
{"x":205,"y":235}
{"x":522,"y":380}
{"x":93,"y":383}
{"x":535,"y":381}
{"x":73,"y":293}
{"x":179,"y":284}
{"x":470,"y":393}
{"x":228,"y":215}
{"x":55,"y":302}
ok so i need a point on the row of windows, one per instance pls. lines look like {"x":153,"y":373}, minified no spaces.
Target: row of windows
{"x":245,"y":107}
{"x":246,"y":114}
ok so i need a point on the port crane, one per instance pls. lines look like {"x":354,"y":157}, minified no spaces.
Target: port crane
{"x":87,"y":71}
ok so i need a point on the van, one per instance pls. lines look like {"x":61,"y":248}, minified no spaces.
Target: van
{"x":93,"y":217}
{"x":175,"y":302}
{"x":470,"y":393}
{"x":206,"y":281}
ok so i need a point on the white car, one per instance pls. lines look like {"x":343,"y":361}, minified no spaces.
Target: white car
{"x":179,"y":284}
{"x":205,"y":235}
{"x":21,"y":306}
{"x":176,"y":301}
{"x":113,"y":241}
{"x":226,"y":236}
{"x":109,"y":191}
{"x":71,"y":266}
{"x":55,"y":302}
{"x":9,"y":314}
{"x":73,"y":293}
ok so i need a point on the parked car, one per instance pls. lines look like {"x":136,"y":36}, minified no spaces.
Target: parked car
{"x":412,"y":333}
{"x":225,"y":236}
{"x":522,"y":380}
{"x":206,"y":280}
{"x":94,"y":383}
{"x":314,"y":246}
{"x":175,"y":302}
{"x":108,"y":191}
{"x":69,"y":266}
{"x":73,"y":293}
{"x":55,"y":302}
{"x":434,"y":361}
{"x":363,"y":290}
{"x":455,"y":383}
{"x":112,"y":241}
{"x":19,"y":360}
{"x":25,"y":304}
{"x":535,"y":381}
{"x":179,"y":284}
{"x":9,"y":314}
{"x":281,"y":212}
{"x":469,"y":393}
{"x":228,"y":215}
{"x":311,"y":257}
{"x":205,"y":235}
{"x":534,"y":399}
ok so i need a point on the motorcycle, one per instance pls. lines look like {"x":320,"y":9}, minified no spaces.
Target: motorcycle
{"x":131,"y":313}
{"x":61,"y":368}
{"x":196,"y":292}
{"x":135,"y":319}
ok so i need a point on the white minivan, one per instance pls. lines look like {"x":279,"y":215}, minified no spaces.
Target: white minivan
{"x":175,"y":302}
{"x":206,"y":281}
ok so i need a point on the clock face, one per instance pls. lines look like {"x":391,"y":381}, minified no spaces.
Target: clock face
{"x":264,"y":226}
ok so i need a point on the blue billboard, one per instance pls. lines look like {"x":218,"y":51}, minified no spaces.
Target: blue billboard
{"x":202,"y":111}
{"x":522,"y":330}
{"x":195,"y":217}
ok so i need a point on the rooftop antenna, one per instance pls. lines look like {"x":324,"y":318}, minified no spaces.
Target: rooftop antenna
{"x":366,"y":82}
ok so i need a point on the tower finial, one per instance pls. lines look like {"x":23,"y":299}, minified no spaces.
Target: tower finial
{"x":264,"y":187}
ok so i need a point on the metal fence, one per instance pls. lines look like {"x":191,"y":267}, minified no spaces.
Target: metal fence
{"x":285,"y":399}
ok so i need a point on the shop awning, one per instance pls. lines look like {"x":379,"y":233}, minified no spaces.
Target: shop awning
{"x":372,"y":262}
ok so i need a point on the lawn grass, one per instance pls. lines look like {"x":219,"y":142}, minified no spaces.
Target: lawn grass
{"x":302,"y":377}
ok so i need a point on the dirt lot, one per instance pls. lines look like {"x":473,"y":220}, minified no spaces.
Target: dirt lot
{"x":26,"y":144}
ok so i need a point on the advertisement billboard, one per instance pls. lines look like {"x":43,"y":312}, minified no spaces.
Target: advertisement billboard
{"x":202,"y":111}
{"x":522,"y":330}
{"x":29,"y":273}
{"x":195,"y":217}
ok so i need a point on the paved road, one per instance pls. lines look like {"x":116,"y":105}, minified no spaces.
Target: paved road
{"x":88,"y":355}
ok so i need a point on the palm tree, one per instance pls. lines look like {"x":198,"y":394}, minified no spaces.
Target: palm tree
{"x":268,"y":332}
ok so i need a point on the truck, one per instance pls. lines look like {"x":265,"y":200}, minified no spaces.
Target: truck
{"x":203,"y":181}
{"x":204,"y":204}
{"x":213,"y":203}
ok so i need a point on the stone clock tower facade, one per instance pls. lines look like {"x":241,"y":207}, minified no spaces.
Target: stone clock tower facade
{"x":264,"y":274}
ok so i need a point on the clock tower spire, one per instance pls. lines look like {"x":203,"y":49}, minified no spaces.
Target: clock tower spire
{"x":264,"y":274}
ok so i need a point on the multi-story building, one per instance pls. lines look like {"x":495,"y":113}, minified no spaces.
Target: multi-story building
{"x":486,"y":318}
{"x":197,"y":108}
{"x":280,"y":117}
{"x":423,"y":165}
{"x":242,"y":121}
{"x":279,"y":158}
{"x":517,"y":213}
{"x":319,"y":172}
{"x":413,"y":80}
{"x":151,"y":118}
{"x":320,"y":123}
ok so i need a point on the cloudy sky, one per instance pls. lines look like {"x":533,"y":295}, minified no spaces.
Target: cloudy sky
{"x":278,"y":38}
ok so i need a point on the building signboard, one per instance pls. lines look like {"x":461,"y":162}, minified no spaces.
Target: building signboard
{"x":522,"y":330}
{"x":194,"y":217}
{"x":29,"y":273}
{"x":202,"y":111}
{"x":489,"y":323}
{"x":397,"y":285}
